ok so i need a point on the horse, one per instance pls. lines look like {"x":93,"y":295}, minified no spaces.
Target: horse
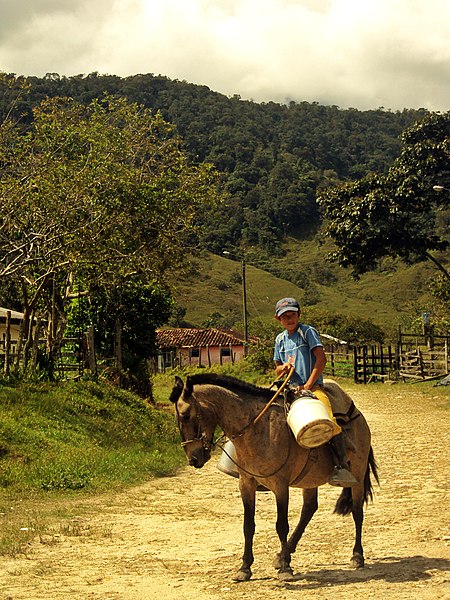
{"x":268,"y":455}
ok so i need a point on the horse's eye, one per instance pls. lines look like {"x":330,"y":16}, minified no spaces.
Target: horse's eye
{"x":185,"y":417}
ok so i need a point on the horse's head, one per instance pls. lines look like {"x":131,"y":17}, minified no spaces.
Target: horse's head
{"x":196,"y":431}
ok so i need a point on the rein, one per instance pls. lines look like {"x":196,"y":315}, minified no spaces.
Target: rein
{"x":266,"y":408}
{"x":210,"y":444}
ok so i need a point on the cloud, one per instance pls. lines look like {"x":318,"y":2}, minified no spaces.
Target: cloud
{"x":360,"y":53}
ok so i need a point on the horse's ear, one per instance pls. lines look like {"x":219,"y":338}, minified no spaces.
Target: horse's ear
{"x":177,"y":389}
{"x":189,"y":385}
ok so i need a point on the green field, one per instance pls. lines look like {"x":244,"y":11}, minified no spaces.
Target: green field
{"x":389,"y":297}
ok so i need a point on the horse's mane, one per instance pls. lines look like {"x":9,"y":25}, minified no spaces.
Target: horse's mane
{"x":230,"y":383}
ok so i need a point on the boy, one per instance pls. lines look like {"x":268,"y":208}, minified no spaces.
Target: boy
{"x":300,"y":346}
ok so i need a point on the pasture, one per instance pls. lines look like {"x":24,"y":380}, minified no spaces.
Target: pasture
{"x":181,"y":536}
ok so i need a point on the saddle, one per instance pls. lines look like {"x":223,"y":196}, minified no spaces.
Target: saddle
{"x":344,"y":409}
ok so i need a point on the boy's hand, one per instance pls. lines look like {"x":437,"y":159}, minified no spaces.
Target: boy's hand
{"x":285,"y":368}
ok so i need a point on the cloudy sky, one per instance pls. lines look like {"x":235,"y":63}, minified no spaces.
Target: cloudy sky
{"x":351,"y":53}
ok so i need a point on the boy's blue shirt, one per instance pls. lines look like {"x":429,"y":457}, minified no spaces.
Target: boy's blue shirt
{"x":300,"y":346}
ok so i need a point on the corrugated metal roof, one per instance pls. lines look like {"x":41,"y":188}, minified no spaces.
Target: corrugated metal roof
{"x":197,"y":338}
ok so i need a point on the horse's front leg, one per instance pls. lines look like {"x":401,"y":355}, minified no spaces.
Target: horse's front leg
{"x":309,"y":507}
{"x":357,"y":560}
{"x":248,"y":495}
{"x":284,"y":557}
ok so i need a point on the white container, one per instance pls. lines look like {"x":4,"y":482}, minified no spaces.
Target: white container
{"x":310,"y":423}
{"x":226,"y":464}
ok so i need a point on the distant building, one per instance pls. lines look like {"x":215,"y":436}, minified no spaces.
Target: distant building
{"x":198,"y":347}
{"x":16,"y":320}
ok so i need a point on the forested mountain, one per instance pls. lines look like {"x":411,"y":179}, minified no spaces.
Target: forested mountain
{"x":274,"y":157}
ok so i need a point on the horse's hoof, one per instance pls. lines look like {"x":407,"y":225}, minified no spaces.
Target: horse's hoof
{"x":242,"y":575}
{"x":287,"y":575}
{"x":357,"y":561}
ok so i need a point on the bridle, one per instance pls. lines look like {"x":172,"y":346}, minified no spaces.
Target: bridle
{"x":201,"y":436}
{"x":209,"y":444}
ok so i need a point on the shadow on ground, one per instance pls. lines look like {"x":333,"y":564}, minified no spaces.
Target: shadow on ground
{"x":390,"y":569}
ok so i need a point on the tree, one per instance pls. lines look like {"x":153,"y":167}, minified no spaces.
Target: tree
{"x":395,"y":214}
{"x":93,"y":196}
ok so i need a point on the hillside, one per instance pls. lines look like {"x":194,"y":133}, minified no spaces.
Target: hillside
{"x":274,"y":157}
{"x":274,"y":160}
{"x":388,"y":298}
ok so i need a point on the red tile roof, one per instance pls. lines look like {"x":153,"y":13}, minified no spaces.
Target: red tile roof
{"x":197,"y":338}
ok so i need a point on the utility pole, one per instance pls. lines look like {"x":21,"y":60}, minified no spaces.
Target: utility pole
{"x":244,"y":297}
{"x":244,"y":306}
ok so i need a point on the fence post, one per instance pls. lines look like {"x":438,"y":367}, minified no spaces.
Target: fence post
{"x":91,"y":350}
{"x":355,"y":364}
{"x":7,"y":343}
{"x":365,"y":364}
{"x":446,"y":354}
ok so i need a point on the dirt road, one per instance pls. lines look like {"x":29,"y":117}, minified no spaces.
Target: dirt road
{"x":180,"y":538}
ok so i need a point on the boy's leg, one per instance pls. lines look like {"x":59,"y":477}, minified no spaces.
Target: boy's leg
{"x":341,"y":475}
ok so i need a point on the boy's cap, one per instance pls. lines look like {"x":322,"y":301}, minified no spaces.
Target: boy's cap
{"x":286,"y":304}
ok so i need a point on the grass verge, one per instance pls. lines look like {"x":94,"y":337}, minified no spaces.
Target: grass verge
{"x":70,"y":440}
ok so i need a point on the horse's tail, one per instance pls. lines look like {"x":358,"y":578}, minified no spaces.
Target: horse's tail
{"x":344,"y":504}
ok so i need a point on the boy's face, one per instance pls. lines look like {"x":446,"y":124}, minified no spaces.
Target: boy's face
{"x":289,"y":320}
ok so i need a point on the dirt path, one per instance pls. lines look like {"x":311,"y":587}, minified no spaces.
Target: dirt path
{"x":180,"y":538}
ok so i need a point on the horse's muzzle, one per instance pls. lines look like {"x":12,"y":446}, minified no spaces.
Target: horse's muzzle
{"x":199,"y":457}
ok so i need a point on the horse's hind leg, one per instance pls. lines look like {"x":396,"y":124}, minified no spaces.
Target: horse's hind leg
{"x":309,"y":507}
{"x":352,"y":500}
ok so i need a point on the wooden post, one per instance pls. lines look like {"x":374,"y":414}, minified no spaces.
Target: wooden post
{"x":365,"y":364}
{"x":355,"y":365}
{"x":35,"y":347}
{"x":446,"y":354}
{"x":91,"y":350}
{"x":7,"y":343}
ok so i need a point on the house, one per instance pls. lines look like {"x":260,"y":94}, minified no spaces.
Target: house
{"x":198,"y":347}
{"x":15,"y":321}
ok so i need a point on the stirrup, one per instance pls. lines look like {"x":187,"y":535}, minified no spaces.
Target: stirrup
{"x":342,"y":477}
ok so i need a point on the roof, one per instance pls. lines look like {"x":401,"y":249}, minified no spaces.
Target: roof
{"x":14,"y":313}
{"x":332,"y":339}
{"x":197,"y":338}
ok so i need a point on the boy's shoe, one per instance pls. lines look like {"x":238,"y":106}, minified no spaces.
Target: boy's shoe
{"x":342,"y":477}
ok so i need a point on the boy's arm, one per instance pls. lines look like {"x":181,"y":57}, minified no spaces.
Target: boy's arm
{"x":321,"y":361}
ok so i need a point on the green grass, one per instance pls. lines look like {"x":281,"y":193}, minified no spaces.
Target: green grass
{"x":389,"y":297}
{"x":60,"y":442}
{"x":80,"y":435}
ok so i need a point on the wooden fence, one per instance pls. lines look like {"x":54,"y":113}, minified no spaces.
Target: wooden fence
{"x":76,"y":355}
{"x":415,"y":358}
{"x":412,"y":358}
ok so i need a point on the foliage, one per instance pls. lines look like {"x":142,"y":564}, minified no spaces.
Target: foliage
{"x":349,"y":329}
{"x":80,"y":436}
{"x":394,"y":214}
{"x":94,"y":195}
{"x":274,"y":157}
